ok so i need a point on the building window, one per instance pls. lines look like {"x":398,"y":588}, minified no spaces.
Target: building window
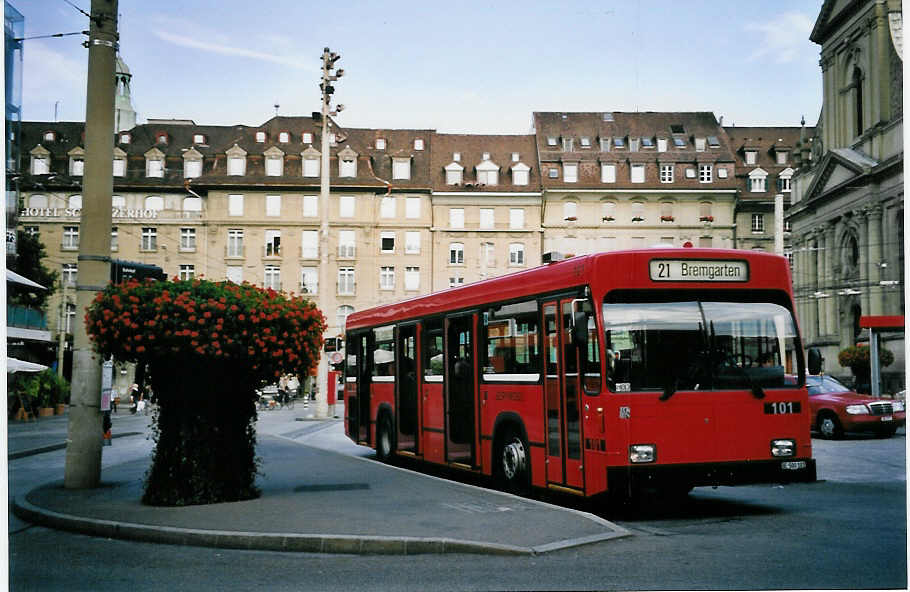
{"x":757,"y":183}
{"x":274,"y":166}
{"x":187,"y":272}
{"x":721,"y":172}
{"x":260,"y":137}
{"x":647,"y":142}
{"x":609,"y":211}
{"x":187,"y":239}
{"x":699,"y":144}
{"x":454,"y":174}
{"x":235,"y":242}
{"x":516,"y":254}
{"x":272,"y":243}
{"x":68,"y":274}
{"x":666,"y":212}
{"x":455,"y":281}
{"x":605,"y":144}
{"x":346,"y":244}
{"x":233,"y":273}
{"x":551,"y":140}
{"x":77,"y":166}
{"x":161,"y":138}
{"x":516,"y":218}
{"x":521,"y":174}
{"x":192,"y":168}
{"x":456,"y":217}
{"x":758,"y":223}
{"x":309,"y":280}
{"x":310,"y":206}
{"x":785,"y":183}
{"x":488,"y":254}
{"x":70,"y":238}
{"x":411,"y":278}
{"x":487,"y":218}
{"x":456,"y":253}
{"x":857,"y":88}
{"x":74,"y":202}
{"x":418,"y":144}
{"x":666,"y":173}
{"x":705,"y":173}
{"x":704,"y":212}
{"x":553,"y":173}
{"x":619,"y":142}
{"x":341,"y":315}
{"x":272,"y":278}
{"x":115,"y":239}
{"x":782,"y":156}
{"x":386,"y":278}
{"x":40,"y":165}
{"x":570,"y":173}
{"x":638,"y":211}
{"x":198,"y":139}
{"x":637,"y":173}
{"x":412,"y":242}
{"x":751,"y":156}
{"x":235,"y":205}
{"x":310,"y":167}
{"x":284,"y":137}
{"x":585,"y":142}
{"x":608,"y":173}
{"x":488,"y":175}
{"x":401,"y":168}
{"x":661,"y":144}
{"x":380,"y":144}
{"x":387,"y":207}
{"x":272,"y":205}
{"x":570,"y":210}
{"x":154,"y":202}
{"x":192,"y":204}
{"x":149,"y":241}
{"x":387,"y":242}
{"x":346,"y":206}
{"x":412,"y":207}
{"x":347,"y":167}
{"x":633,"y":144}
{"x":34,"y":230}
{"x":236,"y":165}
{"x":307,"y":138}
{"x":309,"y":244}
{"x":154,"y":167}
{"x":125,"y":138}
{"x":567,"y":145}
{"x":346,"y":281}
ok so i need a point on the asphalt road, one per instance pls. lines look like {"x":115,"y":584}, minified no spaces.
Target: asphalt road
{"x":847,"y":531}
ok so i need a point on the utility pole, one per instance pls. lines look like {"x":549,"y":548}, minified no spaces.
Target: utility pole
{"x":328,"y":64}
{"x":61,"y":329}
{"x":83,"y":451}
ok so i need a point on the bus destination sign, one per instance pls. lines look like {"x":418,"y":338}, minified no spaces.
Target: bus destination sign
{"x":699,"y":270}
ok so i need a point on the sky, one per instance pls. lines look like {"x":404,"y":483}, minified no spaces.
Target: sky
{"x":456,"y":67}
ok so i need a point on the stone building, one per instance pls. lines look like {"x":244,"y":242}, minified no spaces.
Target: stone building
{"x":848,"y":198}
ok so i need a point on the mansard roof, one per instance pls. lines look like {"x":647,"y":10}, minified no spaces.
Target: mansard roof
{"x":472,"y":147}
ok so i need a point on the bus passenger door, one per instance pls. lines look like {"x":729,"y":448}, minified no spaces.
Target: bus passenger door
{"x":406,"y":384}
{"x":459,"y":389}
{"x":364,"y":380}
{"x":563,"y":388}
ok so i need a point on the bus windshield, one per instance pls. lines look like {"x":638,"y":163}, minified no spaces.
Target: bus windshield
{"x":699,"y":345}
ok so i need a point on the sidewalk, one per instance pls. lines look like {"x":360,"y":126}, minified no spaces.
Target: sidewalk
{"x":318,"y":500}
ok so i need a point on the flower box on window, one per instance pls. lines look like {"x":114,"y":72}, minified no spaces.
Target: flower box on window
{"x":571,"y":218}
{"x":608,"y":218}
{"x":638,"y":219}
{"x":706,"y":219}
{"x":667,"y":218}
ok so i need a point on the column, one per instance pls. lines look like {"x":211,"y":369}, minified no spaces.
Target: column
{"x":875,"y":239}
{"x":812,"y":284}
{"x":863,"y":239}
{"x":831,"y":301}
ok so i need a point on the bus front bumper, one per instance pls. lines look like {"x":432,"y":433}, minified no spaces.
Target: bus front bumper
{"x":790,"y":470}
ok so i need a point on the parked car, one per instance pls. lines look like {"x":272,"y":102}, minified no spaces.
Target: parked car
{"x":837,"y":409}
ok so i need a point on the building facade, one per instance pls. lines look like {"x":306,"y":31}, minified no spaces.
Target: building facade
{"x":848,"y":198}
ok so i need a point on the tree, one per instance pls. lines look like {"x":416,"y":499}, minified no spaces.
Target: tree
{"x":208,"y":346}
{"x":29,"y":263}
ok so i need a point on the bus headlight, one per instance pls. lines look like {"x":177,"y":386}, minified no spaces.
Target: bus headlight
{"x":781,"y":448}
{"x":857,"y":409}
{"x":642,"y":453}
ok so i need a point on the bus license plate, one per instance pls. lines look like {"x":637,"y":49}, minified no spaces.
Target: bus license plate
{"x":782,"y":408}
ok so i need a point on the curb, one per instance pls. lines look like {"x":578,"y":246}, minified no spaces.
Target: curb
{"x":264,"y":541}
{"x":58,"y":446}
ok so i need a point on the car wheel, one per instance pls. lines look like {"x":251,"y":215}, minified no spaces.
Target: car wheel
{"x":829,"y":426}
{"x":887,"y":433}
{"x":512,"y":461}
{"x":385,"y":438}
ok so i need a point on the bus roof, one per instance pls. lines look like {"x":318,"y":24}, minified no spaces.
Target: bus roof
{"x":573,"y":272}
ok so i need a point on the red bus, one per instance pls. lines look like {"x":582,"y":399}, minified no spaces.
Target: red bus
{"x":659,"y":369}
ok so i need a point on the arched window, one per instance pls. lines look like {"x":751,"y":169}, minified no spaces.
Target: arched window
{"x":154,"y":202}
{"x":192,"y":204}
{"x":341,"y":315}
{"x":37,"y":201}
{"x":74,"y":202}
{"x":857,"y":85}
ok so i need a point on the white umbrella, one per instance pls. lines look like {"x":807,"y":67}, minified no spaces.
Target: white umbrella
{"x":14,"y":365}
{"x":12,"y":276}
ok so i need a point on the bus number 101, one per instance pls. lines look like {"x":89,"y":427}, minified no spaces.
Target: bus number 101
{"x":782,"y":408}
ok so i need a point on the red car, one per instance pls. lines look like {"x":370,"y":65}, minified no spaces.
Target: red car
{"x":837,"y":409}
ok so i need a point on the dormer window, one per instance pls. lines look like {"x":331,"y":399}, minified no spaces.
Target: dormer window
{"x":154,"y":163}
{"x":758,"y":181}
{"x":568,"y":144}
{"x":347,"y":163}
{"x":699,"y":144}
{"x":486,"y":156}
{"x":633,"y":144}
{"x":619,"y":142}
{"x":284,"y":137}
{"x":236,"y":161}
{"x":307,"y":138}
{"x":77,"y":166}
{"x":647,"y":142}
{"x":751,"y":156}
{"x":784,"y":180}
{"x":192,"y":164}
{"x":161,"y":138}
{"x":198,"y":139}
{"x":50,"y":136}
{"x":41,"y":160}
{"x":418,"y":143}
{"x":607,"y":116}
{"x":551,"y":140}
{"x":605,"y":144}
{"x":380,"y":144}
{"x":679,"y":142}
{"x":487,"y":172}
{"x":585,"y":142}
{"x":401,"y":168}
{"x":713,"y":142}
{"x":125,"y":138}
{"x":119,"y":168}
{"x":454,"y":173}
{"x":661,"y":144}
{"x":456,"y":156}
{"x":515,"y":157}
{"x":311,"y":158}
{"x":520,"y":174}
{"x":260,"y":137}
{"x":274,"y":162}
{"x":782,"y":156}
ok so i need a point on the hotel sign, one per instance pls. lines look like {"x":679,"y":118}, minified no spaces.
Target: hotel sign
{"x":129,"y":213}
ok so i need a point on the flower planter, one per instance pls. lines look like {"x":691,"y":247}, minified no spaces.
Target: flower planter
{"x":45,"y":411}
{"x":59,"y":409}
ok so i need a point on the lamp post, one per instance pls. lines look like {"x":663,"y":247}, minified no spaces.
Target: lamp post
{"x":328,"y":65}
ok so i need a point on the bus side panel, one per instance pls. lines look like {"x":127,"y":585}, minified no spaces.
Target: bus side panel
{"x":433,"y":423}
{"x":595,"y":443}
{"x":380,"y":393}
{"x":524,"y":401}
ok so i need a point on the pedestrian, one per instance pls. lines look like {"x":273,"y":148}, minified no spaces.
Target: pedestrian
{"x":283,"y":389}
{"x":293,"y":386}
{"x":115,"y":396}
{"x":134,"y":398}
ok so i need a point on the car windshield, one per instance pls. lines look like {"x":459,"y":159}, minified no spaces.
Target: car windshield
{"x":698,"y":345}
{"x":820,"y":385}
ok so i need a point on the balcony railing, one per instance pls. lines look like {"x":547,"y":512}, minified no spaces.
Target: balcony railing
{"x":25,"y":317}
{"x":233,"y":250}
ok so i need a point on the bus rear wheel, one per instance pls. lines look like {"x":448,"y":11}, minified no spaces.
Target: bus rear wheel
{"x":385,"y":438}
{"x":512,"y":462}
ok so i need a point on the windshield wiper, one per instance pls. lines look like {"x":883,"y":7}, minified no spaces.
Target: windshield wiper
{"x":669,"y":389}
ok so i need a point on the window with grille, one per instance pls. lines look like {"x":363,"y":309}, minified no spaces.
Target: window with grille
{"x":149,"y":240}
{"x":346,"y":244}
{"x":386,"y":278}
{"x":346,"y":282}
{"x":758,"y":223}
{"x":456,"y":253}
{"x":187,"y":239}
{"x":235,"y":242}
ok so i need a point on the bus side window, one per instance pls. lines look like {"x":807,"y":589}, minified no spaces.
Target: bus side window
{"x":433,"y":350}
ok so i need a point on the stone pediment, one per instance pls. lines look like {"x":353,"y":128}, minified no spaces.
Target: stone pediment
{"x":77,"y":151}
{"x":39,"y":151}
{"x":836,"y":169}
{"x":192,"y":154}
{"x":347,"y":154}
{"x":274,"y":151}
{"x":520,"y":166}
{"x":310,"y":153}
{"x":453,"y":166}
{"x":154,"y":154}
{"x":235,"y":151}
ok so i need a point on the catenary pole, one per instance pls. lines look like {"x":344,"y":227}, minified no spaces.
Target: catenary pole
{"x":83,"y":451}
{"x":322,"y":403}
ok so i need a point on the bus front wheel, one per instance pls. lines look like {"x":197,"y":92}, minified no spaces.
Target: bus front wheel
{"x":512,"y":462}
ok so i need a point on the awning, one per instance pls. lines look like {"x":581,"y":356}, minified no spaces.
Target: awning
{"x":14,"y":365}
{"x":12,"y":276}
